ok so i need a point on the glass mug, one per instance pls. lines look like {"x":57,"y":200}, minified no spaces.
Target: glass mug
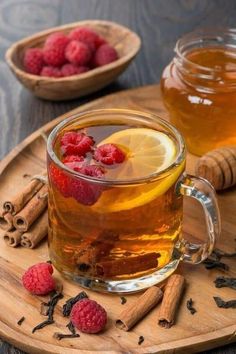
{"x":121,"y":230}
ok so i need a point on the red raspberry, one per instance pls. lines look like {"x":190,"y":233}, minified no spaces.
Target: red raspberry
{"x":60,"y":180}
{"x":105,"y":54}
{"x":50,"y":71}
{"x":73,"y":161}
{"x":87,"y":36}
{"x":71,"y":69}
{"x":78,"y":53}
{"x":38,"y":279}
{"x":109,"y":154}
{"x":88,"y":316}
{"x":33,"y":60}
{"x":72,"y":158}
{"x":92,"y":170}
{"x":73,"y":143}
{"x":85,"y":192}
{"x":58,"y":39}
{"x":54,"y":55}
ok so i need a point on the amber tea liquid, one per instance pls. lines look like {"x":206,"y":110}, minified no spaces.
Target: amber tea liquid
{"x":129,"y":231}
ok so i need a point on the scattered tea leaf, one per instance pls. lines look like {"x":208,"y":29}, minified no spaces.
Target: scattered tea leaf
{"x":221,"y":282}
{"x":219,"y":254}
{"x":140,"y":340}
{"x":54,"y":298}
{"x":190,"y":306}
{"x":66,"y":310}
{"x":60,"y":336}
{"x":213,"y":263}
{"x":71,"y":327}
{"x":21,"y":320}
{"x":123,"y":300}
{"x":42,"y":325}
{"x":225,"y":304}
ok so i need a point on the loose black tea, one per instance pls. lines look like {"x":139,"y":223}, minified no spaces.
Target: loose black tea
{"x":21,"y":320}
{"x":55,"y":297}
{"x":123,"y":300}
{"x":140,"y":340}
{"x":219,"y":254}
{"x":42,"y":325}
{"x":214,"y":263}
{"x":221,"y":282}
{"x":71,"y":327}
{"x":225,"y":304}
{"x":67,"y":307}
{"x":190,"y":307}
{"x":60,"y":336}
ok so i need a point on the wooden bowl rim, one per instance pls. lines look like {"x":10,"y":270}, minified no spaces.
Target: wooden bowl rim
{"x":120,"y":61}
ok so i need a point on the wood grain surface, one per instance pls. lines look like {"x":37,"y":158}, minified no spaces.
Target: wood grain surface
{"x":158,"y":22}
{"x":209,"y":328}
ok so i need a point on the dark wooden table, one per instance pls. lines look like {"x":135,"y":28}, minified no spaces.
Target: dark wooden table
{"x":159,"y":23}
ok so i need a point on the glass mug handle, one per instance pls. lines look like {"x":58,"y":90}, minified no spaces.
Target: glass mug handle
{"x":201,"y":190}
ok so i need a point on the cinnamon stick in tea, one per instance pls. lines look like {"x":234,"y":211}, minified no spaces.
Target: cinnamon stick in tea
{"x":25,"y":218}
{"x":171,"y":298}
{"x":14,"y":204}
{"x":36,"y":233}
{"x":12,"y":237}
{"x":6,"y":221}
{"x":134,"y":312}
{"x":128,"y":265}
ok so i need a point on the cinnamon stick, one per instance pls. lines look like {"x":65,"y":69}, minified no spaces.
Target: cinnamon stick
{"x":14,"y":204}
{"x":25,"y":218}
{"x":128,"y":265}
{"x":36,"y":233}
{"x":171,"y":298}
{"x":134,"y":312}
{"x":13,"y":237}
{"x":6,"y":221}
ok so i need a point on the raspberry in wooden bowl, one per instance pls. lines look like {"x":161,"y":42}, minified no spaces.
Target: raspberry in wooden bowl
{"x":68,"y":61}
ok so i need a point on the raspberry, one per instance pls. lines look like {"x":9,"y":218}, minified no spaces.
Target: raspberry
{"x":73,"y":161}
{"x":54,"y":55}
{"x":109,"y":154}
{"x":73,"y":143}
{"x":105,"y":54}
{"x":88,"y":316}
{"x":38,"y":279}
{"x":33,"y":60}
{"x":92,"y":170}
{"x":78,"y":53}
{"x":72,"y":158}
{"x":60,"y":180}
{"x":87,"y":36}
{"x":71,"y":69}
{"x":58,"y":39}
{"x":50,"y":71}
{"x":85,"y":192}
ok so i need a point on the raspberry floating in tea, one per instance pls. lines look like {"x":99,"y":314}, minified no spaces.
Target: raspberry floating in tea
{"x":109,"y":154}
{"x":73,"y":143}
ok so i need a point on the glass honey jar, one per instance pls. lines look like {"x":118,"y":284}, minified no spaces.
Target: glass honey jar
{"x":199,"y":89}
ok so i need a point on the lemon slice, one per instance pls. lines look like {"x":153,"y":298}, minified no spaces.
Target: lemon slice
{"x":147,"y":152}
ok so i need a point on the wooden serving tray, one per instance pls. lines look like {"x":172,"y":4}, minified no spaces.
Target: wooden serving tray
{"x":208,"y":328}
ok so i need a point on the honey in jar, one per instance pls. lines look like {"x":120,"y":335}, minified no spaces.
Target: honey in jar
{"x":199,"y":89}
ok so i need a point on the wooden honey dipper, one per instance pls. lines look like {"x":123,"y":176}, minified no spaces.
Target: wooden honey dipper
{"x":218,"y":167}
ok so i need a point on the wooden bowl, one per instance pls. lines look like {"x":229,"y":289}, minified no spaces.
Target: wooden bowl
{"x":126,"y":42}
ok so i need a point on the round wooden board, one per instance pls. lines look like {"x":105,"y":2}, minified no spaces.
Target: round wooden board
{"x":208,"y":328}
